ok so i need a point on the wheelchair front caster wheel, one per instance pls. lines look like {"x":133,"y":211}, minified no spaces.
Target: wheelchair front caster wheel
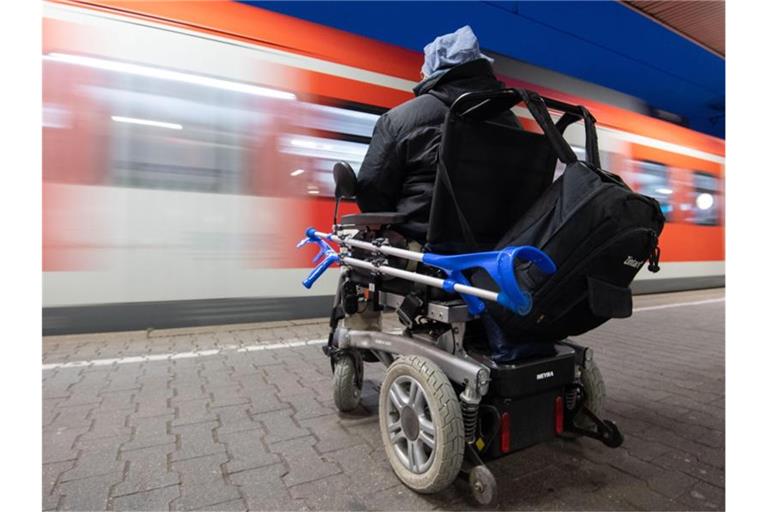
{"x":347,"y":384}
{"x":421,"y":424}
{"x":483,"y":484}
{"x":613,"y":438}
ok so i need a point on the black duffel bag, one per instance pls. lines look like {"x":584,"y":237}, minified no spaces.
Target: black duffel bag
{"x":595,"y":228}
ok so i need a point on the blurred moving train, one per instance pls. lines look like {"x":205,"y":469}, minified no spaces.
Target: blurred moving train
{"x":187,"y":145}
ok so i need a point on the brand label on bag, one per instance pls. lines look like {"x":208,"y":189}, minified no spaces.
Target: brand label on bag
{"x":632,"y":262}
{"x":545,"y":375}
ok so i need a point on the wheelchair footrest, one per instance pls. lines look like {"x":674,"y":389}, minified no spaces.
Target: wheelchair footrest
{"x":606,"y":431}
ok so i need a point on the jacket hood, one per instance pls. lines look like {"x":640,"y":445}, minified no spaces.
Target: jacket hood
{"x":451,"y":50}
{"x":476,"y":75}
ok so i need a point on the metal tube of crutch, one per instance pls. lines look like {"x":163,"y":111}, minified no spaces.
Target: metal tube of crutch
{"x":420,"y":278}
{"x":383,"y":249}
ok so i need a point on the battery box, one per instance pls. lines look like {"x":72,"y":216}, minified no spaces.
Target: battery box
{"x":526,"y":396}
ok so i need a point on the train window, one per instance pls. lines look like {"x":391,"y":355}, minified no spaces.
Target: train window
{"x":652,"y":179}
{"x":314,"y":158}
{"x":338,"y":120}
{"x":323,"y":136}
{"x":194,"y":162}
{"x":188,"y":135}
{"x":168,"y":136}
{"x":705,"y":199}
{"x":173,"y":136}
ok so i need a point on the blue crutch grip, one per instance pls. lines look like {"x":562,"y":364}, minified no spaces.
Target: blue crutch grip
{"x":318,"y":270}
{"x":500,"y":265}
{"x":511,"y":296}
{"x":326,"y":252}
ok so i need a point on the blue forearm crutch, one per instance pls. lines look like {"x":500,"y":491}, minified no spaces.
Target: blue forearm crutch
{"x":500,"y":266}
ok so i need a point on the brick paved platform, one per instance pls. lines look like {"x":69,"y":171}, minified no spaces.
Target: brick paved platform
{"x":242,"y":417}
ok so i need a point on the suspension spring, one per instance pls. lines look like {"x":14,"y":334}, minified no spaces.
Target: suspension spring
{"x":571,"y":395}
{"x":470,"y":413}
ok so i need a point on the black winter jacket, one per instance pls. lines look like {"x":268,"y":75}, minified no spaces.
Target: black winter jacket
{"x":399,"y":169}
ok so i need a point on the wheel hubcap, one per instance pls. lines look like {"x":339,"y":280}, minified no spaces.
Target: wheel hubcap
{"x":409,"y":424}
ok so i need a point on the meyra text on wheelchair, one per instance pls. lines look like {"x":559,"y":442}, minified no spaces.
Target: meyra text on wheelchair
{"x":513,"y":264}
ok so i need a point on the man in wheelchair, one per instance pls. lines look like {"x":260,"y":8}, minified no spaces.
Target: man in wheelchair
{"x":399,"y":168}
{"x":453,"y":396}
{"x":398,"y":172}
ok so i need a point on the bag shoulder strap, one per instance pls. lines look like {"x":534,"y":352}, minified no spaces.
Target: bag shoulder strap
{"x":538,"y":109}
{"x":593,"y":151}
{"x":568,"y":118}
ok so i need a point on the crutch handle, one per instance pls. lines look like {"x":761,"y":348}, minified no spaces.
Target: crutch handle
{"x":326,"y":253}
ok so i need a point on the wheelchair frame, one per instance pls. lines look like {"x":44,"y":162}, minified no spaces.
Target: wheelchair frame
{"x":445,"y":406}
{"x":470,"y":377}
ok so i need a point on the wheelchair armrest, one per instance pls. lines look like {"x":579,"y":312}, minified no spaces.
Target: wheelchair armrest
{"x":373,"y":219}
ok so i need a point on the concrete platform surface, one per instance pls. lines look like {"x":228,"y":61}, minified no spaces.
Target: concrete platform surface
{"x":242,"y":417}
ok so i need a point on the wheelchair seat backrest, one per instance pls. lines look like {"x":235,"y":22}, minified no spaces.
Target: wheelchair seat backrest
{"x":495,"y":172}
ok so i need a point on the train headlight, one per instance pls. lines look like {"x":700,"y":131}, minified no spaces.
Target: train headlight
{"x":705,"y":201}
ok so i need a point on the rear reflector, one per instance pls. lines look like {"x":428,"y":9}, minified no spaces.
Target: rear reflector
{"x":559,"y":414}
{"x":504,"y":433}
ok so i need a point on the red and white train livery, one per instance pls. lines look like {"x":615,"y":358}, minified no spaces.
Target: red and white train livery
{"x":187,"y":145}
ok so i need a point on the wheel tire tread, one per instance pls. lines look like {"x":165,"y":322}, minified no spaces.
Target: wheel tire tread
{"x":452,"y":424}
{"x":346,"y":394}
{"x":592,"y":380}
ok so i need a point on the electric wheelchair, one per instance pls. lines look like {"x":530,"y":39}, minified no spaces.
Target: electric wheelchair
{"x":447,"y":402}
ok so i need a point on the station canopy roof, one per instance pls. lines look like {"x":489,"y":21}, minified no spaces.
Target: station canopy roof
{"x":669,"y":56}
{"x":701,"y":21}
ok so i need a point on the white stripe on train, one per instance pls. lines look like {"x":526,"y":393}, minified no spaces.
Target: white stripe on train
{"x":99,"y":18}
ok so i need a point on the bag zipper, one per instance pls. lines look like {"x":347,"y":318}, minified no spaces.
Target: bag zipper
{"x":653,"y":259}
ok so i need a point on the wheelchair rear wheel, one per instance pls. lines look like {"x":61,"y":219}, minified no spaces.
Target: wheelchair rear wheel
{"x":347,"y":384}
{"x":421,"y":424}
